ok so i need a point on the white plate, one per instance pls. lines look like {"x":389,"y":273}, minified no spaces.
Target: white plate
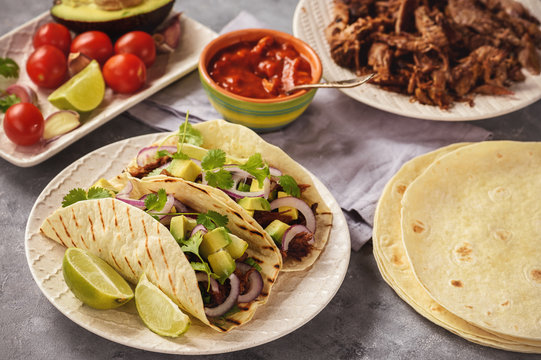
{"x":168,"y":68}
{"x":295,"y":299}
{"x":312,"y":17}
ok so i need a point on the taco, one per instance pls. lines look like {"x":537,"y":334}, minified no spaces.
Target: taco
{"x":206,"y":257}
{"x":273,"y":190}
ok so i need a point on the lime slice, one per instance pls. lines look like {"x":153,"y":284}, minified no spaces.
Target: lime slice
{"x":93,"y":281}
{"x":83,"y":92}
{"x":159,"y":313}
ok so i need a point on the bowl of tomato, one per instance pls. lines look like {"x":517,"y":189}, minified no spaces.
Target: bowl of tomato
{"x":247,"y":73}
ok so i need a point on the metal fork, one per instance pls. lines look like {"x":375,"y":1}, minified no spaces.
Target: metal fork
{"x":349,"y":83}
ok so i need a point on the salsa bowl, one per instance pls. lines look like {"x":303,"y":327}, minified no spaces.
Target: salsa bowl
{"x":260,"y":114}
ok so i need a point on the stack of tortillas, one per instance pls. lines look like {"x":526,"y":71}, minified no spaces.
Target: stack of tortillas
{"x":457,"y":235}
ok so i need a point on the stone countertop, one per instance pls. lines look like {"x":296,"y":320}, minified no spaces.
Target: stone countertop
{"x":365,"y":320}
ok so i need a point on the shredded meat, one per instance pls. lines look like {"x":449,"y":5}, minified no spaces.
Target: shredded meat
{"x":142,"y":171}
{"x":299,"y":246}
{"x":244,"y":282}
{"x":218,"y":297}
{"x":264,"y":218}
{"x":438,"y":52}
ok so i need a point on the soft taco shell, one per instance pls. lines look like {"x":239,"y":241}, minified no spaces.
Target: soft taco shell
{"x":241,"y":142}
{"x":134,"y":243}
{"x":471,"y":230}
{"x":396,"y":269}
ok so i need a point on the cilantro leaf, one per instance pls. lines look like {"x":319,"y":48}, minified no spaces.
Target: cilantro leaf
{"x":7,"y":101}
{"x":156,"y":201}
{"x":289,"y":185}
{"x":78,"y":194}
{"x":192,"y":244}
{"x":98,"y":193}
{"x":189,"y":135}
{"x":180,"y":155}
{"x":74,"y":196}
{"x":9,"y":68}
{"x":221,"y":178}
{"x":203,"y":267}
{"x":212,"y":220}
{"x":256,"y":167}
{"x":162,"y":153}
{"x":215,"y":158}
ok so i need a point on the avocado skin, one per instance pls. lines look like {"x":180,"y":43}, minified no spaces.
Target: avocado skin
{"x":147,"y":22}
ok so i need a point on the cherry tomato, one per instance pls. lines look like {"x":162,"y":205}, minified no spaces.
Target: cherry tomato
{"x":23,"y":124}
{"x":47,"y":66}
{"x":53,"y":34}
{"x":124,"y":73}
{"x":138,"y":43}
{"x":94,"y":44}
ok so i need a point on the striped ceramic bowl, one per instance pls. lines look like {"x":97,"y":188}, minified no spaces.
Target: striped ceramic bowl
{"x":259,"y":114}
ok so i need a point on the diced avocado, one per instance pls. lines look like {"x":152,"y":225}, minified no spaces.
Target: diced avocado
{"x":213,"y":241}
{"x":243,"y":187}
{"x":255,"y":186}
{"x":237,"y":247}
{"x":181,"y":226}
{"x":80,"y":16}
{"x":222,"y":263}
{"x":106,"y":185}
{"x":184,"y":168}
{"x":255,"y":203}
{"x":287,"y":210}
{"x":276,"y":230}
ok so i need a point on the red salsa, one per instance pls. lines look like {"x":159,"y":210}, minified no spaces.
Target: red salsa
{"x":261,"y":69}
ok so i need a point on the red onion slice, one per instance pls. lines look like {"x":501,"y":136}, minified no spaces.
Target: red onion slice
{"x":292,"y":232}
{"x":255,"y":283}
{"x":180,"y":206}
{"x":202,"y":277}
{"x":274,"y":171}
{"x":236,"y":194}
{"x":24,"y":92}
{"x":229,"y":302}
{"x":300,"y":205}
{"x":148,"y":153}
{"x":137,"y":203}
{"x":166,"y":220}
{"x":198,"y":228}
{"x":126,"y":191}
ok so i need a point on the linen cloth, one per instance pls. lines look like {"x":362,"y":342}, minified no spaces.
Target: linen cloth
{"x":352,"y":148}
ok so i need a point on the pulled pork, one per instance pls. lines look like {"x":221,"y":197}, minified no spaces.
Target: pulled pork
{"x":436,"y":51}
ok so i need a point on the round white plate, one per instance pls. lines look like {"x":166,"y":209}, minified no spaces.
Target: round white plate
{"x":312,"y":17}
{"x":295,"y":299}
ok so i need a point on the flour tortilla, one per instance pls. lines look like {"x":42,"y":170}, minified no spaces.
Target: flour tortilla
{"x":396,"y":269}
{"x":471,"y":226}
{"x":134,"y":243}
{"x":240,"y":142}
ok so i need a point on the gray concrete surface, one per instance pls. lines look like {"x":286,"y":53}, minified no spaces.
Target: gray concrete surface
{"x":366,"y":320}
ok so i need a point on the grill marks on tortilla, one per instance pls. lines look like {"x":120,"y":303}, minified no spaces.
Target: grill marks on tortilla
{"x":165,"y":260}
{"x":74,"y":218}
{"x":129,"y":221}
{"x":129,"y":265}
{"x":148,"y":250}
{"x":66,"y":230}
{"x":92,"y":228}
{"x":116,"y":262}
{"x":56,"y":233}
{"x":198,"y":188}
{"x":114,"y":213}
{"x":457,"y":283}
{"x":101,"y":216}
{"x":535,"y":275}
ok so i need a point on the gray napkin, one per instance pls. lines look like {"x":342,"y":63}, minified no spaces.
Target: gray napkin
{"x":352,"y":148}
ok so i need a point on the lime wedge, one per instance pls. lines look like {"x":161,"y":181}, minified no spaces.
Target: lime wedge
{"x":93,"y":281}
{"x":83,"y":92}
{"x":159,"y":313}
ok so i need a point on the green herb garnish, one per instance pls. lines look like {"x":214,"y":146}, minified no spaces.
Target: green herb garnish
{"x":78,"y":194}
{"x":212,"y":219}
{"x":7,"y":101}
{"x":256,"y":167}
{"x":289,"y":185}
{"x":215,"y":175}
{"x":156,"y":201}
{"x":9,"y":68}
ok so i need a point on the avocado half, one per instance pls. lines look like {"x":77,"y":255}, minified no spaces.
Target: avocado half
{"x":87,"y":16}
